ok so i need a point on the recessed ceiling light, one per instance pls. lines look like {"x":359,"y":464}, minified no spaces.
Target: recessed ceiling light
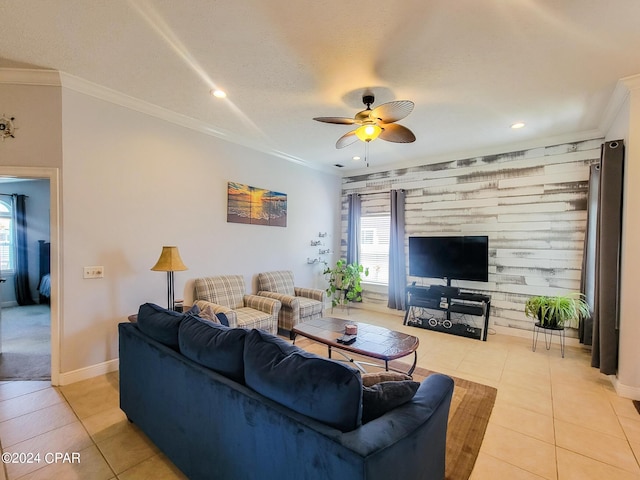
{"x":356,"y":158}
{"x":517,"y":125}
{"x":218,"y":93}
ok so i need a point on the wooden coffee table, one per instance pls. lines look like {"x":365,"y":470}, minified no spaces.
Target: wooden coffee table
{"x":372,"y":341}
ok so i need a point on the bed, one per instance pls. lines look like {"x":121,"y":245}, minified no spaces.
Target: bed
{"x":44,"y":285}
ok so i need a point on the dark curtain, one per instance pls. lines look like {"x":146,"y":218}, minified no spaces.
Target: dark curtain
{"x":353,"y":228}
{"x":397,"y":264}
{"x":604,"y":354}
{"x":23,"y":291}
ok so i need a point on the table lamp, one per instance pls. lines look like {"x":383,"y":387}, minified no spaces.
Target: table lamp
{"x":169,"y":262}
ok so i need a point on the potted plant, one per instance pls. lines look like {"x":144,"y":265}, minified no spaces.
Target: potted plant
{"x":559,"y":311}
{"x":344,"y":282}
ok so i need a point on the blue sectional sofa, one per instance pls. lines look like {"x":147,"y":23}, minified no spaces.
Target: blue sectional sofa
{"x":229,"y":403}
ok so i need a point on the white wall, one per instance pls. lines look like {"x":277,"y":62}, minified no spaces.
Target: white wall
{"x":627,"y":127}
{"x":133,"y":183}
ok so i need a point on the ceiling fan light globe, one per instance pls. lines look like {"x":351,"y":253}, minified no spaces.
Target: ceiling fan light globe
{"x":366,"y":133}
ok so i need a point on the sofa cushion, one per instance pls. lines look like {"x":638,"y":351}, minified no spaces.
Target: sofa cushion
{"x":323,"y":389}
{"x":160,"y":324}
{"x":213,"y":345}
{"x":382,"y":397}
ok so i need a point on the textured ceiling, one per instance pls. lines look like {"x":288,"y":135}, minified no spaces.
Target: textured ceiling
{"x":472,"y":67}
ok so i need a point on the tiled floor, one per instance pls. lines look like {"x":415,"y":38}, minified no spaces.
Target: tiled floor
{"x":554,"y":418}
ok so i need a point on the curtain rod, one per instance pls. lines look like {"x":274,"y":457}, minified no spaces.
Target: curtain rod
{"x":11,"y":194}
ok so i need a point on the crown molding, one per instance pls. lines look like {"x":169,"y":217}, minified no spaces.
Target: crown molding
{"x":632,"y":82}
{"x":26,"y":76}
{"x":101,"y":92}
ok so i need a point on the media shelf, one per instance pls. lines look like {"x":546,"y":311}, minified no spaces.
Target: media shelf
{"x":449,"y":300}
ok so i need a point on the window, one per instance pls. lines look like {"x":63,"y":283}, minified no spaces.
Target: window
{"x":374,"y":247}
{"x":6,"y":237}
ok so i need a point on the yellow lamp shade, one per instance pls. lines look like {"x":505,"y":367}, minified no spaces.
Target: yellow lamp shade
{"x":169,"y":261}
{"x":368,"y":132}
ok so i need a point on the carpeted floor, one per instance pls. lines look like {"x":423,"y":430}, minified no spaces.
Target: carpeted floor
{"x":26,"y":343}
{"x":471,"y":407}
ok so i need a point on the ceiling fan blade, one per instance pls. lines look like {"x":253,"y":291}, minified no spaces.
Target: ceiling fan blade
{"x":347,"y":139}
{"x":338,"y":120}
{"x":392,"y":111}
{"x":396,"y":133}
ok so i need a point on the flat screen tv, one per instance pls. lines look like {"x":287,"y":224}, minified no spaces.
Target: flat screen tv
{"x":453,"y":258}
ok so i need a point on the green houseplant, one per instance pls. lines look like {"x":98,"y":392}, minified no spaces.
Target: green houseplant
{"x":344,"y":282}
{"x":558,"y":311}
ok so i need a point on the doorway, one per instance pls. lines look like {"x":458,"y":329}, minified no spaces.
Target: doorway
{"x":25,"y":317}
{"x":31,"y":332}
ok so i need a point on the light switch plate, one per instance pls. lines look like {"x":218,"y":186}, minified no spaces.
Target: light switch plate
{"x":93,"y":272}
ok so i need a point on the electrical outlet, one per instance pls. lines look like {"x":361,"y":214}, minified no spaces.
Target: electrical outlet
{"x":93,"y":272}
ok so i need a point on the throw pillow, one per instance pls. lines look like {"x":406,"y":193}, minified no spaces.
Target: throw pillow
{"x":160,"y":324}
{"x":382,"y":397}
{"x":213,"y":345}
{"x":370,"y":379}
{"x":208,"y":313}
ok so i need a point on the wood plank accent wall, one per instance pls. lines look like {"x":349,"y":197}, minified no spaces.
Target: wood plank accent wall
{"x":531,"y":204}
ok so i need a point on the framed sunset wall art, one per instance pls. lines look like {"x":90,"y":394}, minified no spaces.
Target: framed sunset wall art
{"x":258,"y":206}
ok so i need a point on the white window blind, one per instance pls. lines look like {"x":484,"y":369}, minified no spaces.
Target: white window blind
{"x":374,"y":247}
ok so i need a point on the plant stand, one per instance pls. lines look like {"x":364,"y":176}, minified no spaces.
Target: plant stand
{"x":548,"y":336}
{"x":343,"y":300}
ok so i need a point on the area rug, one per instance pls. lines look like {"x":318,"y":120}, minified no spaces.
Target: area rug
{"x":25,"y":343}
{"x":469,"y":414}
{"x":471,"y":407}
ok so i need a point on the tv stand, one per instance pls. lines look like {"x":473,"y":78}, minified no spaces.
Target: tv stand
{"x":450,"y":300}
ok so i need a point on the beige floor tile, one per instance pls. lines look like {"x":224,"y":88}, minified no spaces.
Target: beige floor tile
{"x":127,"y":449}
{"x":587,"y":408}
{"x":598,"y":446}
{"x":488,"y":467}
{"x":91,"y":466}
{"x":529,"y":400}
{"x":631,"y":427}
{"x":95,"y":400}
{"x":479,"y":370}
{"x":573,"y":466}
{"x":526,"y":381}
{"x":35,"y":423}
{"x":106,"y":424}
{"x":157,"y":467}
{"x":70,"y":438}
{"x":527,"y":362}
{"x":524,"y":421}
{"x":29,"y":402}
{"x":522,"y":451}
{"x":15,"y":389}
{"x":623,"y":406}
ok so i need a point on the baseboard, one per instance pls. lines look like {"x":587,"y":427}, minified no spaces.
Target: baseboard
{"x":626,"y":391}
{"x":89,"y":372}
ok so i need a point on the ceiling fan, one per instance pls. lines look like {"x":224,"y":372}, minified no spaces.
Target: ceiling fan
{"x":376,"y":123}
